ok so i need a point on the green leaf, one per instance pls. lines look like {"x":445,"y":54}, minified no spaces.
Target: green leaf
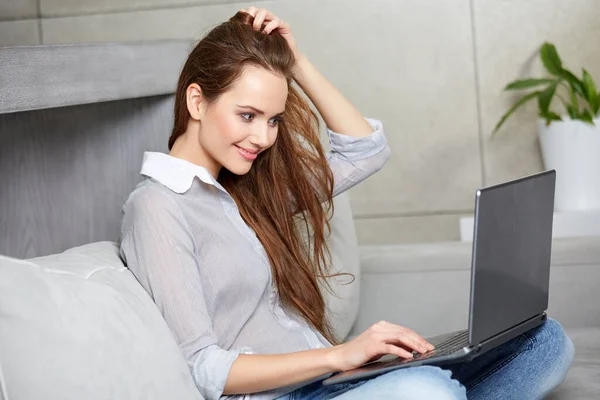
{"x":572,"y":112}
{"x":545,"y":98}
{"x":574,"y":101}
{"x":590,"y":91}
{"x":527,"y":83}
{"x":574,"y":82}
{"x":550,"y":116}
{"x":586,"y":116}
{"x":519,"y":103}
{"x":550,"y":59}
{"x":588,"y":83}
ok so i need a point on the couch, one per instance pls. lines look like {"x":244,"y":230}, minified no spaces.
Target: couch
{"x":77,"y":324}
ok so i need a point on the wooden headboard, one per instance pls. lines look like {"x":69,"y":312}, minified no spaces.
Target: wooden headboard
{"x":74,"y":123}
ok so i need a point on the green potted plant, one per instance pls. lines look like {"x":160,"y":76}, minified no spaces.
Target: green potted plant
{"x":569,"y":141}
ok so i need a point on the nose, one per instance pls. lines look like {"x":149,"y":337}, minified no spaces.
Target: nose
{"x":260,"y":135}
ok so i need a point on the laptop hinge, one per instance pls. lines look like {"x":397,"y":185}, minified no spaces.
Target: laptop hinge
{"x":511,"y":333}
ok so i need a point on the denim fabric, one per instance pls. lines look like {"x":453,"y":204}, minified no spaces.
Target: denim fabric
{"x":527,"y":367}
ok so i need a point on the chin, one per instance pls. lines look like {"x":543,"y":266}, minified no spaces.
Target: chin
{"x":239,"y":169}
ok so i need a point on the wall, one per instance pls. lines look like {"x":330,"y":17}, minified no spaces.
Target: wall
{"x":431,"y":70}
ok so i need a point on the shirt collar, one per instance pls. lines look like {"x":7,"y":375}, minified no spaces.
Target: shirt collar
{"x":175,"y":173}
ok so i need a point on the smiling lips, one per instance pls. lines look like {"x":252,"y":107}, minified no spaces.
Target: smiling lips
{"x":247,"y":154}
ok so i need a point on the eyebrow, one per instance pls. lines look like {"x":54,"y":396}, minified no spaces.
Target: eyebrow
{"x":260,"y":112}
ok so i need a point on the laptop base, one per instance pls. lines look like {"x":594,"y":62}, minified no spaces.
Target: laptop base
{"x":390,"y":363}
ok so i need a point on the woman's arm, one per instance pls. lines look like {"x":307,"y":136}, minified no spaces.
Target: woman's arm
{"x":159,"y":249}
{"x":358,"y":146}
{"x":337,"y":112}
{"x":258,"y":372}
{"x":353,"y":159}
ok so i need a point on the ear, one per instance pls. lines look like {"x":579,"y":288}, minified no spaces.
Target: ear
{"x":195,"y":102}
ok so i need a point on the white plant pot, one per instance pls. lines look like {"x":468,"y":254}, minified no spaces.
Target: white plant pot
{"x":572,"y":148}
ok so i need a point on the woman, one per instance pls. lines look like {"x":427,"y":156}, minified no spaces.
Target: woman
{"x":224,"y":260}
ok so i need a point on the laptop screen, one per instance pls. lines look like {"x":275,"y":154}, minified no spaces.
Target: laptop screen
{"x":511,"y":254}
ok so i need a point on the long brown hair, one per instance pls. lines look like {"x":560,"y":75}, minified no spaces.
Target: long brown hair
{"x":286,"y":197}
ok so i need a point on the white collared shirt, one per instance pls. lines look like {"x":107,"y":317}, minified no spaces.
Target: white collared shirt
{"x":204,"y":267}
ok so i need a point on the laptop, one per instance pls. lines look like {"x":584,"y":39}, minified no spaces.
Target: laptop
{"x":510,"y":274}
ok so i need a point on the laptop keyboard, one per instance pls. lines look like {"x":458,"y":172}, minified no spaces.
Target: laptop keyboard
{"x":450,"y":346}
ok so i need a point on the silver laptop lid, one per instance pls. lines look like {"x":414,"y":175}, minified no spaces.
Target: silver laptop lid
{"x":512,"y":240}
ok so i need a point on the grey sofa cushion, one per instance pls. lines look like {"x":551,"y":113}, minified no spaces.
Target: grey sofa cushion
{"x":78,"y":325}
{"x":342,"y":307}
{"x":583,"y":380}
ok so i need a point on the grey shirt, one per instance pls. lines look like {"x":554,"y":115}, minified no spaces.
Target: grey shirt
{"x":204,"y":267}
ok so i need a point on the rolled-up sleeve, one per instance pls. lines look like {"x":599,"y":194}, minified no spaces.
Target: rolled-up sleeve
{"x":159,"y":249}
{"x":353,"y":159}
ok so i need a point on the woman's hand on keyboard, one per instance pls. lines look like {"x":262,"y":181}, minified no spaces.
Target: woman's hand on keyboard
{"x":380,"y":339}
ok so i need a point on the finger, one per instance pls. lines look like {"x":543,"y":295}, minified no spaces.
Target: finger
{"x":401,"y":337}
{"x":268,"y":14}
{"x":397,"y":351}
{"x":284,"y":26}
{"x":419,"y":338}
{"x":252,"y":11}
{"x":271,"y":26}
{"x":259,"y":19}
{"x":413,"y":335}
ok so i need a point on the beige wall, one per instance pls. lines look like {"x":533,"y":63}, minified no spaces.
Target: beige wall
{"x":431,"y":70}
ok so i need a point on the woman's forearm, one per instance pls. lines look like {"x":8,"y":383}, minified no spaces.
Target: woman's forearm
{"x":337,"y":111}
{"x":252,"y":373}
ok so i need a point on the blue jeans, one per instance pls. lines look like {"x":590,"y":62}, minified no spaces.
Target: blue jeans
{"x":527,"y":367}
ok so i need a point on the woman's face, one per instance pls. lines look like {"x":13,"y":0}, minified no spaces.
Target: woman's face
{"x":244,"y":120}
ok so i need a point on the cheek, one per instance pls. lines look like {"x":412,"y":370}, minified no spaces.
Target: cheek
{"x":273,"y":137}
{"x":273,"y":134}
{"x":229,"y":130}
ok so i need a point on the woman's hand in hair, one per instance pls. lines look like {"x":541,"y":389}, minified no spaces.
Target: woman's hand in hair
{"x":380,"y":339}
{"x":272,"y":23}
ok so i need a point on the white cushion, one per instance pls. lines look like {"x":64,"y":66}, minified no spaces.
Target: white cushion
{"x":78,"y":325}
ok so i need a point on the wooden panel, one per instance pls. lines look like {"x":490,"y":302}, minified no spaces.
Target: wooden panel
{"x":145,"y":24}
{"x":54,"y":76}
{"x":65,"y":172}
{"x":61,"y":8}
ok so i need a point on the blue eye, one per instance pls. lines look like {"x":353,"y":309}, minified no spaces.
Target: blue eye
{"x":248,"y":117}
{"x":277,"y":121}
{"x":251,"y":116}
